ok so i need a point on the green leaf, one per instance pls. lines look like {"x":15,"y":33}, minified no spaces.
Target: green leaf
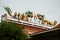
{"x":43,"y":17}
{"x":8,"y":10}
{"x":29,"y":13}
{"x":55,"y":22}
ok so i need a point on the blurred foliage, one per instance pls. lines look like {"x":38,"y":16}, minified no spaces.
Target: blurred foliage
{"x":11,"y":31}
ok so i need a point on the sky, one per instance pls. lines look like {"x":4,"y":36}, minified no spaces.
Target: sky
{"x":49,"y":8}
